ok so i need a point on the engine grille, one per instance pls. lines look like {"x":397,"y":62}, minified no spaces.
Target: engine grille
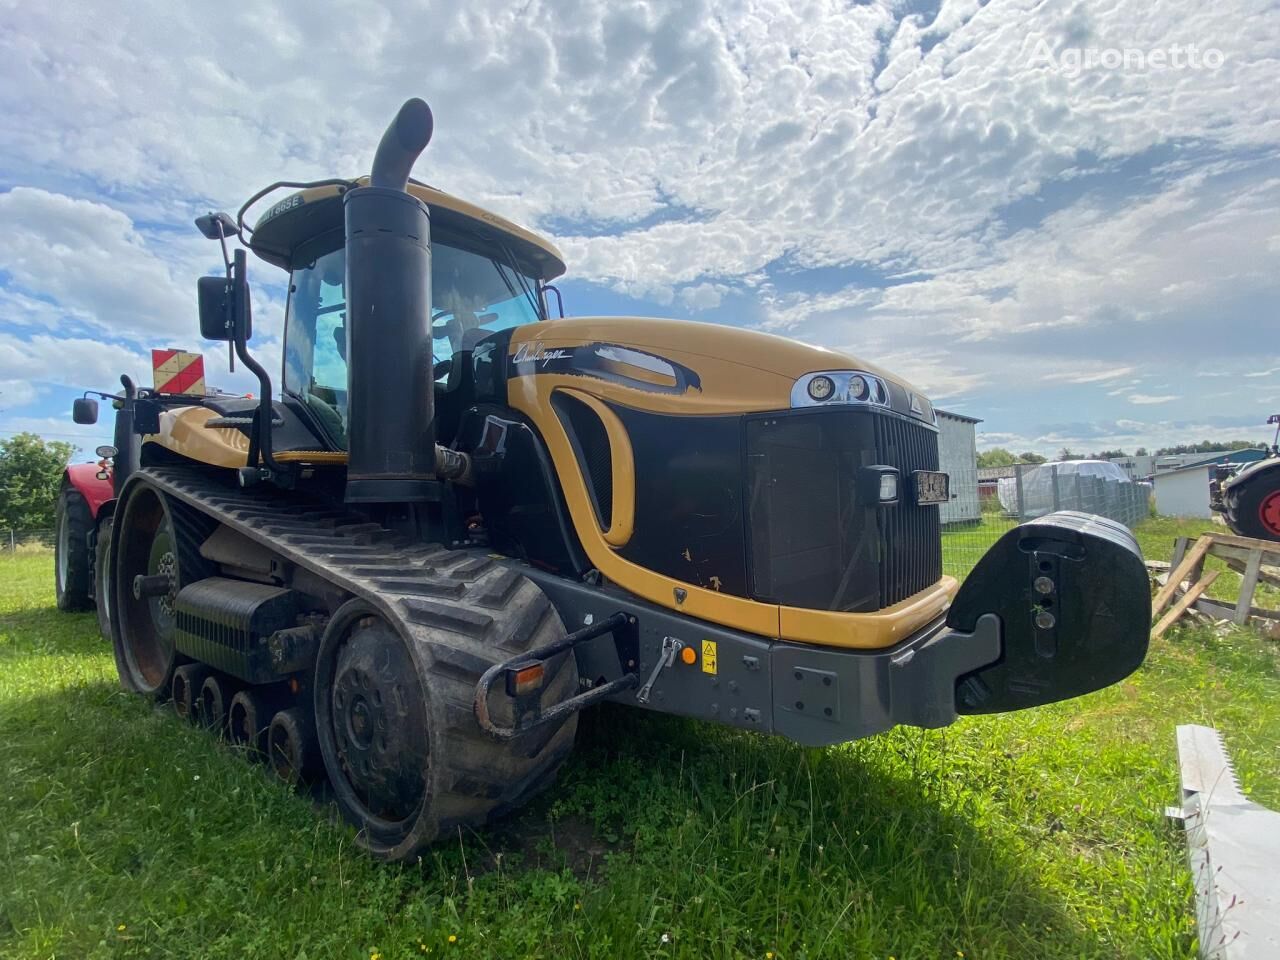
{"x":817,"y":539}
{"x":910,"y":536}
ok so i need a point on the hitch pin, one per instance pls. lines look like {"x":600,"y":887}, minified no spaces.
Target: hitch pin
{"x":670,"y":647}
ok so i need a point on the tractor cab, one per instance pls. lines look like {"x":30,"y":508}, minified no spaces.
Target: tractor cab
{"x":487,"y":275}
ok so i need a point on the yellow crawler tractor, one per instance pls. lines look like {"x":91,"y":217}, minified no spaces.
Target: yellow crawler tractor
{"x":462,"y":520}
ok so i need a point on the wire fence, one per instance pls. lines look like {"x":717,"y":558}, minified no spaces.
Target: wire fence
{"x":25,"y":541}
{"x":1033,"y":491}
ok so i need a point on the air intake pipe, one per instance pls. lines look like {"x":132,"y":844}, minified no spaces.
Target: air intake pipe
{"x":390,"y":385}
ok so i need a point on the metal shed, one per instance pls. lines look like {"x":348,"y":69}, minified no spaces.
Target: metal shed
{"x":958,"y":452}
{"x":1184,"y":492}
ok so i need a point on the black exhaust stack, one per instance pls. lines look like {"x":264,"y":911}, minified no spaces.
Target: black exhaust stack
{"x":390,"y":384}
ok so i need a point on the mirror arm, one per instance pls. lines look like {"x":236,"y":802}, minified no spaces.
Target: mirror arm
{"x":222,"y":239}
{"x":559,"y":299}
{"x":260,"y":439}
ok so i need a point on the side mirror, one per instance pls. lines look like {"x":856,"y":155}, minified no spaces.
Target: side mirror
{"x":224,"y":307}
{"x":210,"y":223}
{"x":215,"y":317}
{"x":84,"y":410}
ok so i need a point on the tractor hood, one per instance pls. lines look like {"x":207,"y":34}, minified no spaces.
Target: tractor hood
{"x":700,"y":368}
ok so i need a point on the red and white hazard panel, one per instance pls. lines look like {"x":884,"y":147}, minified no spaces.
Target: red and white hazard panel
{"x":176,"y":371}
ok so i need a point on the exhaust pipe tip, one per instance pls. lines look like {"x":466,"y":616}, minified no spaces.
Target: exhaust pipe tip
{"x":401,"y":145}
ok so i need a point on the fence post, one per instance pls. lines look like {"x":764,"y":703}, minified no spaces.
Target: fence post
{"x":12,"y":546}
{"x":1017,"y":476}
{"x":1053,"y":480}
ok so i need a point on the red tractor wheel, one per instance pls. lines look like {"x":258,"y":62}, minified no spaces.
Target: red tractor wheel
{"x":1269,"y":514}
{"x":71,"y":550}
{"x":1253,"y":502}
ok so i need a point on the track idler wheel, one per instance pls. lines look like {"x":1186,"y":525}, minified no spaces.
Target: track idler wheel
{"x":249,"y":717}
{"x":215,"y":701}
{"x":291,"y":745}
{"x":151,"y":559}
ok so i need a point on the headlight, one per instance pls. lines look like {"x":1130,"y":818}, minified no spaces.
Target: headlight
{"x":888,"y":487}
{"x":821,"y":388}
{"x":878,"y":484}
{"x":827,"y":387}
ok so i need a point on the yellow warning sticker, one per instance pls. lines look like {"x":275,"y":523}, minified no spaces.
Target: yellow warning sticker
{"x":708,"y":656}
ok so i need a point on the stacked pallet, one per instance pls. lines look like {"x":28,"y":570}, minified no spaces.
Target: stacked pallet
{"x":1182,"y":589}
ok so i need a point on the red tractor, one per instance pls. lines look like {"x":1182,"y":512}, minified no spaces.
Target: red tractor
{"x":86,"y":504}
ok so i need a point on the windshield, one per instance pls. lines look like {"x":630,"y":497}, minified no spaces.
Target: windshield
{"x":471,"y":296}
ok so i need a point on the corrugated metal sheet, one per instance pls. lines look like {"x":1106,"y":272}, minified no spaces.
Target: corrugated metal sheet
{"x":958,"y":454}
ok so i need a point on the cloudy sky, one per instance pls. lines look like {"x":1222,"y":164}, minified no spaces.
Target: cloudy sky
{"x":1056,"y":216}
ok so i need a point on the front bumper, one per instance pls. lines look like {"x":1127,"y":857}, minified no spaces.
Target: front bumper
{"x":1058,"y":607}
{"x":821,"y":697}
{"x":813,"y":695}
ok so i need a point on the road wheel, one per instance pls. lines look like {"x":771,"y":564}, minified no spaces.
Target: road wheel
{"x":291,"y":746}
{"x":71,"y":550}
{"x":102,"y":579}
{"x":401,"y":746}
{"x":1255,"y":506}
{"x":147,"y":546}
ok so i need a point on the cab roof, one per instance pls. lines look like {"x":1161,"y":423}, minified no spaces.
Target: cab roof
{"x":297,"y":227}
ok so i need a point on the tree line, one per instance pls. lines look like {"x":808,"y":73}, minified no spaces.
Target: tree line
{"x":1000,"y":457}
{"x":30,"y":476}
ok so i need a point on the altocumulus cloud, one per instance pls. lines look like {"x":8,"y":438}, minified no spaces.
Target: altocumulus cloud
{"x":913,"y":184}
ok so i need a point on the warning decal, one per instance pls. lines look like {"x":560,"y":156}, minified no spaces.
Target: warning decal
{"x":708,"y":656}
{"x":176,"y":371}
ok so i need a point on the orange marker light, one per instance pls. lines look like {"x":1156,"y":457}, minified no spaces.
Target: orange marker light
{"x":689,"y":655}
{"x":524,"y":679}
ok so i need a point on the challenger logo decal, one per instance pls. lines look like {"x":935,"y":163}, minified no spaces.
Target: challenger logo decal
{"x":628,"y":366}
{"x":536,"y":353}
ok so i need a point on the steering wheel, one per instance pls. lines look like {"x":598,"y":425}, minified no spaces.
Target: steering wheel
{"x":451,"y":328}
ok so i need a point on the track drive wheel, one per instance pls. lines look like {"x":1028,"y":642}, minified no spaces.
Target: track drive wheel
{"x":147,"y":545}
{"x":71,"y":550}
{"x":401,"y":746}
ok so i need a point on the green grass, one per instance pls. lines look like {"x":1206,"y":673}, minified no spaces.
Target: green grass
{"x":124,"y":833}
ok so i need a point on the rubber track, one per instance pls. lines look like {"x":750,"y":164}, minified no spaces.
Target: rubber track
{"x":460,"y":608}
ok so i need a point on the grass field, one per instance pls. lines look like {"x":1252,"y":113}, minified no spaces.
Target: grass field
{"x":127,"y":834}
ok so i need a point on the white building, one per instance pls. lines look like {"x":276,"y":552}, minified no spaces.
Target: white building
{"x":1184,"y":492}
{"x":958,"y":456}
